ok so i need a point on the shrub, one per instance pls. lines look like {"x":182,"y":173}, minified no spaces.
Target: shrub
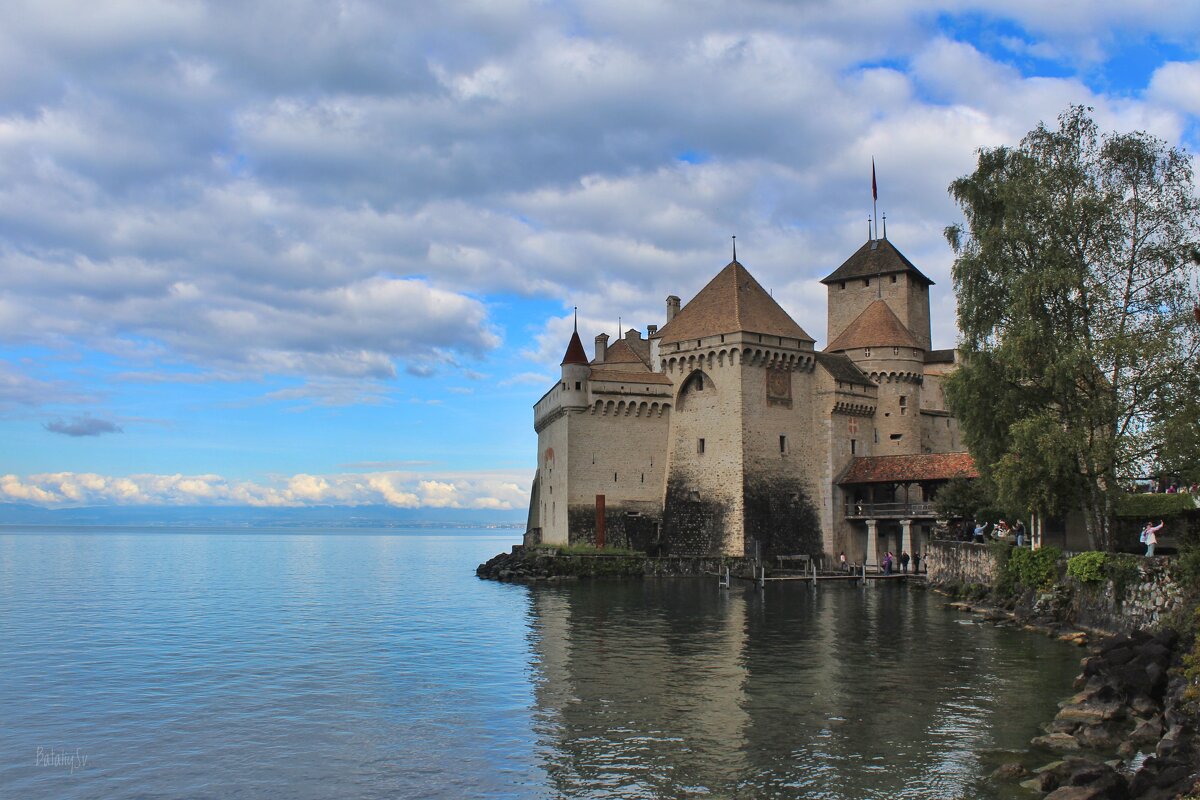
{"x":1087,"y":567}
{"x":1159,"y":506}
{"x":1033,"y":569}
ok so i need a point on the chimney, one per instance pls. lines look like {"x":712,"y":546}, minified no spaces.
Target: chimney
{"x":653,"y":329}
{"x":672,"y":307}
{"x":601,"y":347}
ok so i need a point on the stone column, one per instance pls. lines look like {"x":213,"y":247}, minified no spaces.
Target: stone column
{"x":905,"y":537}
{"x":872,"y":543}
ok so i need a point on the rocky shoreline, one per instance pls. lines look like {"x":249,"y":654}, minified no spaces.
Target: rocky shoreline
{"x":1127,"y":732}
{"x":538,"y":565}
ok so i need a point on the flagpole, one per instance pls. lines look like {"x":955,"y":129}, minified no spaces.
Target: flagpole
{"x":874,"y":199}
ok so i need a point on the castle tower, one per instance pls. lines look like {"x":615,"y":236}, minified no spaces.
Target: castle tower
{"x":878,"y":271}
{"x":740,"y":477}
{"x":887,"y":352}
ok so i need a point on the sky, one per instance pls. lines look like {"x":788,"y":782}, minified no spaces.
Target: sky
{"x":311,"y":253}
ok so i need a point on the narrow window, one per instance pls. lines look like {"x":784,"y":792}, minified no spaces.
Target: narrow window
{"x":893,"y":279}
{"x":877,"y":436}
{"x":552,"y":489}
{"x":842,"y":285}
{"x":700,"y":381}
{"x":577,"y":386}
{"x":895,"y":437}
{"x":866,"y":281}
{"x":782,"y":444}
{"x":700,"y":446}
{"x":614,"y":477}
{"x":643,"y":477}
{"x":853,"y":446}
{"x":694,"y":496}
{"x":903,"y":405}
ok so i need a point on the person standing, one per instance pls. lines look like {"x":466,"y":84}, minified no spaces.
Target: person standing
{"x":842,"y":565}
{"x":980,"y":532}
{"x":904,"y":562}
{"x":1149,"y":537}
{"x":887,"y":563}
{"x":1019,"y":531}
{"x":916,"y":558}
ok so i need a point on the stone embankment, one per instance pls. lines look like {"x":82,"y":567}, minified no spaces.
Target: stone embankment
{"x":1126,"y":733}
{"x":535,"y":565}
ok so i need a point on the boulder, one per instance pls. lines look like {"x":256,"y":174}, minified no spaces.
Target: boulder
{"x":1063,"y":742}
{"x":1147,"y":731}
{"x":1010,"y":772}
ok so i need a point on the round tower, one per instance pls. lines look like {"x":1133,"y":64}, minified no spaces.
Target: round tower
{"x":575,"y":372}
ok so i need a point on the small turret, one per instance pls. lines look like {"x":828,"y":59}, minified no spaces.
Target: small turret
{"x":575,"y":372}
{"x":672,"y":307}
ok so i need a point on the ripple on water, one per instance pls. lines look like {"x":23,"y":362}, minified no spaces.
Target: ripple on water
{"x":248,"y":664}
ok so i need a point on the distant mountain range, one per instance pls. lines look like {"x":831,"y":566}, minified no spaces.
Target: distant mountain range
{"x":251,"y":516}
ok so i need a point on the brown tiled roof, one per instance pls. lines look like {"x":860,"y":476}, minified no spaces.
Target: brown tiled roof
{"x":623,"y":355}
{"x":940,"y":356}
{"x":613,"y":376}
{"x":731,"y":302}
{"x":909,"y":469}
{"x":575,"y":353}
{"x":843,"y":369}
{"x":876,"y":326}
{"x":876,"y":257}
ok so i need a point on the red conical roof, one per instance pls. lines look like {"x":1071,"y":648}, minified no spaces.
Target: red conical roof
{"x":575,"y":353}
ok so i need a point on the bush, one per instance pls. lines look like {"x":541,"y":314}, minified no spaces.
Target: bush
{"x":1159,"y":506}
{"x":1033,"y":569}
{"x":1087,"y":567}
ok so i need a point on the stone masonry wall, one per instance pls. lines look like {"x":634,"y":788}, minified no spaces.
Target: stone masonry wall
{"x":950,"y":563}
{"x":1143,"y":600}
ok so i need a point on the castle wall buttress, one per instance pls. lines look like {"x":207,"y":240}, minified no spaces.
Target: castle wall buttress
{"x":618,"y":449}
{"x":782,"y":454}
{"x":702,"y":513}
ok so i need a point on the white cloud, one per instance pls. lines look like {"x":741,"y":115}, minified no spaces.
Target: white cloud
{"x":401,"y":489}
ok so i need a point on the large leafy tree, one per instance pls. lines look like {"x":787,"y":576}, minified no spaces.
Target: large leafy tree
{"x":1075,"y":306}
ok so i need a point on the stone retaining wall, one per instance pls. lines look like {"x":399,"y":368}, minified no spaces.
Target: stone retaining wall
{"x":1145,"y":599}
{"x":959,"y":563}
{"x":1143,"y":602}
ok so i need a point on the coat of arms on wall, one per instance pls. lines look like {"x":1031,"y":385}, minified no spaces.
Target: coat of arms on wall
{"x":779,"y":387}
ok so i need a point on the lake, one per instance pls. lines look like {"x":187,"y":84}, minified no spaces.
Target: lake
{"x":235,"y":663}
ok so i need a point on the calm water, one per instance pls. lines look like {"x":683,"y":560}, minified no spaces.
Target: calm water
{"x":236,"y":664}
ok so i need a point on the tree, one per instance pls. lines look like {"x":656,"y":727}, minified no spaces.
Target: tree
{"x":1076,"y":315}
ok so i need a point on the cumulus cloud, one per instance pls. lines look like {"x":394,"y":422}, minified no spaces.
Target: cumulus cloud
{"x":341,"y":193}
{"x":402,"y":489}
{"x":83,"y":426}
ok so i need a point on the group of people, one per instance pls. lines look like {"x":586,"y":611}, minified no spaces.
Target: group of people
{"x":890,"y":560}
{"x":1002,"y":531}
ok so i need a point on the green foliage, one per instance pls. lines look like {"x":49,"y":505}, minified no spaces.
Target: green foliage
{"x":1073,"y":282}
{"x":961,"y":498}
{"x":1032,"y":569}
{"x":1121,"y":569}
{"x":1087,"y":567}
{"x":1191,"y":664}
{"x":1186,"y":569}
{"x":1158,"y":506}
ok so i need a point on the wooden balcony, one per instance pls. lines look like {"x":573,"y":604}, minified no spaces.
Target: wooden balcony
{"x":894,"y":510}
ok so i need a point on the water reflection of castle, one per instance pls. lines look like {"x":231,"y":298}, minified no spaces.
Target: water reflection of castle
{"x":726,"y":431}
{"x":664,"y":688}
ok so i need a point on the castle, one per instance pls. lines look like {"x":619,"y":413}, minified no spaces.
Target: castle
{"x":725,"y":432}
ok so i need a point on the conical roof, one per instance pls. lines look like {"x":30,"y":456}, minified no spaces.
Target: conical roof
{"x":575,"y":353}
{"x":876,"y":326}
{"x":731,"y":302}
{"x":876,"y":257}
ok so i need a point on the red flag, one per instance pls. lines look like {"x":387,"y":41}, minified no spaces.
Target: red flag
{"x":874,"y":188}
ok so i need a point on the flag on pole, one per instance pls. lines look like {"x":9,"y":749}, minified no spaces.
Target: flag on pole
{"x":874,"y":187}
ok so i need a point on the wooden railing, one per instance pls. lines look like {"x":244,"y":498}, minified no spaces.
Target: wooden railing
{"x":897,"y":510}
